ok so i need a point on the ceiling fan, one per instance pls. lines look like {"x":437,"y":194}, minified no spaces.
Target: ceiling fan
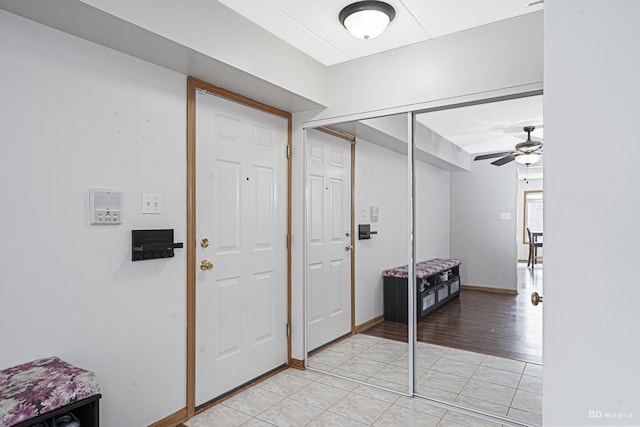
{"x":526,"y":153}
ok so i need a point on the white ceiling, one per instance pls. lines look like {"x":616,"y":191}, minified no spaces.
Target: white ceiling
{"x":485,"y":128}
{"x":312,"y":26}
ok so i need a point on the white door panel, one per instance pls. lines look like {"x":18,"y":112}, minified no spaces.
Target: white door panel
{"x":328,"y":275}
{"x":241,"y":208}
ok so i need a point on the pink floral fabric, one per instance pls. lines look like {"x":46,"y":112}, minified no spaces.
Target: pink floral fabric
{"x":424,"y":268}
{"x":41,"y":386}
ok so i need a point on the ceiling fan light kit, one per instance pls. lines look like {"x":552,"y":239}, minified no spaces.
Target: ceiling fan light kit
{"x":528,"y":158}
{"x":526,"y":153}
{"x":367,"y":19}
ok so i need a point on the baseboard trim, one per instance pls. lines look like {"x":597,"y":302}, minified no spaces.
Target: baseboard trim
{"x":172,"y":420}
{"x":297,"y":364}
{"x":487,"y":289}
{"x":368,"y":324}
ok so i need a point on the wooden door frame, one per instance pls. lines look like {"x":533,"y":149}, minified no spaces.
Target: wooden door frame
{"x":193,"y":85}
{"x":352,"y":141}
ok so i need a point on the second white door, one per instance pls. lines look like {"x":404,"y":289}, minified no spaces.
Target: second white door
{"x":328,"y":222}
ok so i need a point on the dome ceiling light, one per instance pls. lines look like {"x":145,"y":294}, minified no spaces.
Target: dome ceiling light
{"x":367,"y":19}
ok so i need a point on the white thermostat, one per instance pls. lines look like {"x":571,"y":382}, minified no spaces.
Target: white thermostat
{"x":105,"y":206}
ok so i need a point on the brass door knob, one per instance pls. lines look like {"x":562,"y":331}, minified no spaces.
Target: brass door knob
{"x":536,"y":298}
{"x":206,"y":265}
{"x":348,"y":248}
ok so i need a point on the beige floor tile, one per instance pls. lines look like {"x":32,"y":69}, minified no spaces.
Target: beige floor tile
{"x":527,"y":401}
{"x":533,"y":369}
{"x":458,"y":419}
{"x":328,"y":419}
{"x":435,"y":393}
{"x":527,"y":417}
{"x":398,"y":416}
{"x":360,"y":408}
{"x":362,"y":366}
{"x":441,"y":380}
{"x":304,"y":373}
{"x":329,"y":358}
{"x":482,"y":405}
{"x":283,"y":383}
{"x":497,"y":376}
{"x":453,"y":366}
{"x":376,"y":393}
{"x":290,"y":413}
{"x":531,"y":384}
{"x":219,"y":416}
{"x":401,"y":388}
{"x":393,"y":374}
{"x":504,"y":364}
{"x":420,"y":405}
{"x":338,"y":382}
{"x":254,"y":422}
{"x":489,"y":392}
{"x":253,"y":401}
{"x":319,"y":395}
{"x":350,"y":347}
{"x":464,"y":356}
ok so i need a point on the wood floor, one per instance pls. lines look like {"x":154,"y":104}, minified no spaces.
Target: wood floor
{"x":479,"y":321}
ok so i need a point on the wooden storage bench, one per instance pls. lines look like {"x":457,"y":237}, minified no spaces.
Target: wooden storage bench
{"x":432,"y":289}
{"x":41,"y":391}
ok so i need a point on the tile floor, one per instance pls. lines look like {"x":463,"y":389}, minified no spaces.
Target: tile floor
{"x":307,"y":398}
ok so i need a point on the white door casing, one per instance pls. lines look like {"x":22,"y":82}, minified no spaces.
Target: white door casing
{"x":241,"y":208}
{"x":328,"y":231}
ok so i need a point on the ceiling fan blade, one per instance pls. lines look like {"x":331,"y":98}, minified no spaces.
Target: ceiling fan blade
{"x":492,"y":155}
{"x":511,"y":157}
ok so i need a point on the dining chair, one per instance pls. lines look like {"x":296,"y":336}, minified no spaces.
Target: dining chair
{"x":534,"y":244}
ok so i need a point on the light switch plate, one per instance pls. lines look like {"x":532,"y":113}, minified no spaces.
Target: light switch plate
{"x":505,"y":216}
{"x":151,"y":203}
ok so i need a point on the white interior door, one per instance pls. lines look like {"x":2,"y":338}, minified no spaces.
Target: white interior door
{"x":241,"y":209}
{"x":328,"y":269}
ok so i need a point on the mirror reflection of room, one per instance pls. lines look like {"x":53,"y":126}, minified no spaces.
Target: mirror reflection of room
{"x":478,"y":338}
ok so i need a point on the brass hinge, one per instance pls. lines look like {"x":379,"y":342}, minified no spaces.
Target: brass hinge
{"x":288,"y":151}
{"x":288,"y":330}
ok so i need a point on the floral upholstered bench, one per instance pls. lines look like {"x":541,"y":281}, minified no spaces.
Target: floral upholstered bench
{"x":437,"y":282}
{"x":48,"y":392}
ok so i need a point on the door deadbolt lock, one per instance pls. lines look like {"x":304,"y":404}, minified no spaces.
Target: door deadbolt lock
{"x":206,"y":265}
{"x":204,"y":243}
{"x":536,"y":298}
{"x":348,"y":234}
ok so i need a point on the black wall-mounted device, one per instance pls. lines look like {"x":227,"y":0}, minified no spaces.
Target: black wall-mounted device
{"x":364,"y":231}
{"x":151,"y":244}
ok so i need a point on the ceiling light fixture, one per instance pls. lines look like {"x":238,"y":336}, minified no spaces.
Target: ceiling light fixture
{"x":528,"y":158}
{"x":367,"y":19}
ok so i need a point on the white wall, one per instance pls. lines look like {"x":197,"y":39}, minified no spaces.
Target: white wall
{"x":485,"y":243}
{"x":381,"y":180}
{"x":591,"y":291}
{"x":468,"y":62}
{"x":76,"y":115}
